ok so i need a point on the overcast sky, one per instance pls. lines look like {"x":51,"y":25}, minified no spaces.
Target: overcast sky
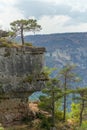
{"x":55,"y":16}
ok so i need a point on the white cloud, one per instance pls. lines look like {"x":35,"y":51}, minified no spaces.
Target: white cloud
{"x":81,"y":27}
{"x":9,"y":12}
{"x":76,"y":5}
{"x":53,"y":24}
{"x":9,"y":2}
{"x":51,"y":18}
{"x":58,"y":24}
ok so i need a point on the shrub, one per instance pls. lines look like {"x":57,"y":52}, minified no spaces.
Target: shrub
{"x":4,"y":44}
{"x":59,"y":115}
{"x":7,"y":54}
{"x":28,"y":44}
{"x":45,"y":121}
{"x":28,"y":78}
{"x":75,"y":110}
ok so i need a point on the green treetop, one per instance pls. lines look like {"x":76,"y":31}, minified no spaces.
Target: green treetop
{"x":21,"y":26}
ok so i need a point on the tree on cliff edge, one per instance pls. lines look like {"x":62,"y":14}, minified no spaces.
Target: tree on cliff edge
{"x":21,"y":26}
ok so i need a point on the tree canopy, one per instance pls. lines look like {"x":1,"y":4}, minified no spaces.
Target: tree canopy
{"x":21,"y":26}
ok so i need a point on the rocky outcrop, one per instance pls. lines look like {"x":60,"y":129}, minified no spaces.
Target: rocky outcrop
{"x":16,"y":64}
{"x":19,"y":67}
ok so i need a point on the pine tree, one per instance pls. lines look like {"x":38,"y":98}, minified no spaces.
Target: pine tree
{"x":18,"y":27}
{"x":52,"y":93}
{"x":67,"y":77}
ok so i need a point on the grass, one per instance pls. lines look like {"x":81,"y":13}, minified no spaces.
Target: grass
{"x":5,"y":43}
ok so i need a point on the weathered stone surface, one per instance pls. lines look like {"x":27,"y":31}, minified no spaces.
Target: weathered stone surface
{"x":18,"y":63}
{"x":15,"y":65}
{"x":12,"y":110}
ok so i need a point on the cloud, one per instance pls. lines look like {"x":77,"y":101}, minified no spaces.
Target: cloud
{"x":9,"y":12}
{"x":77,"y":9}
{"x":38,"y":8}
{"x":53,"y":24}
{"x":60,"y":24}
{"x":53,"y":15}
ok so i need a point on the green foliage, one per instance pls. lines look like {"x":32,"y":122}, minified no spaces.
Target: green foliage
{"x":12,"y":34}
{"x":19,"y":26}
{"x":28,"y":44}
{"x":83,"y":126}
{"x":52,"y":93}
{"x":7,"y":54}
{"x":75,"y":111}
{"x":28,"y":78}
{"x":48,"y":71}
{"x":58,"y":115}
{"x":6,"y":43}
{"x":42,"y":76}
{"x":45,"y":103}
{"x":3,"y":33}
{"x":82,"y":98}
{"x":36,"y":76}
{"x":45,"y":122}
{"x":67,"y":76}
{"x":58,"y":111}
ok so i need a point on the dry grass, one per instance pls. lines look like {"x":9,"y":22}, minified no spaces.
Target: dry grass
{"x":33,"y":106}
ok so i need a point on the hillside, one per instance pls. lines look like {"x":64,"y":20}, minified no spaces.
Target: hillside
{"x":64,"y":48}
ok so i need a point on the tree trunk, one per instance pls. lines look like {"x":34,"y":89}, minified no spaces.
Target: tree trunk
{"x":53,"y":110}
{"x":22,"y":36}
{"x":81,"y":112}
{"x":64,"y":114}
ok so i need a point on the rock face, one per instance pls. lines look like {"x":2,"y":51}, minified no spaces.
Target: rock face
{"x":16,"y":64}
{"x":12,"y":110}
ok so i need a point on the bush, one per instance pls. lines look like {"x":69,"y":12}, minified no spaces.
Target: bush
{"x":45,"y":122}
{"x":75,"y":110}
{"x":28,"y":44}
{"x":59,"y":115}
{"x":83,"y":127}
{"x":28,"y":79}
{"x":4,"y":44}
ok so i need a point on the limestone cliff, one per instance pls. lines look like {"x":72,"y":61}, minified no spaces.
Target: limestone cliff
{"x":16,"y":63}
{"x":19,"y":67}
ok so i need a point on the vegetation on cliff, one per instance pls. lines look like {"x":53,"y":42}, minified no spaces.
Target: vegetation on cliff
{"x":19,"y":26}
